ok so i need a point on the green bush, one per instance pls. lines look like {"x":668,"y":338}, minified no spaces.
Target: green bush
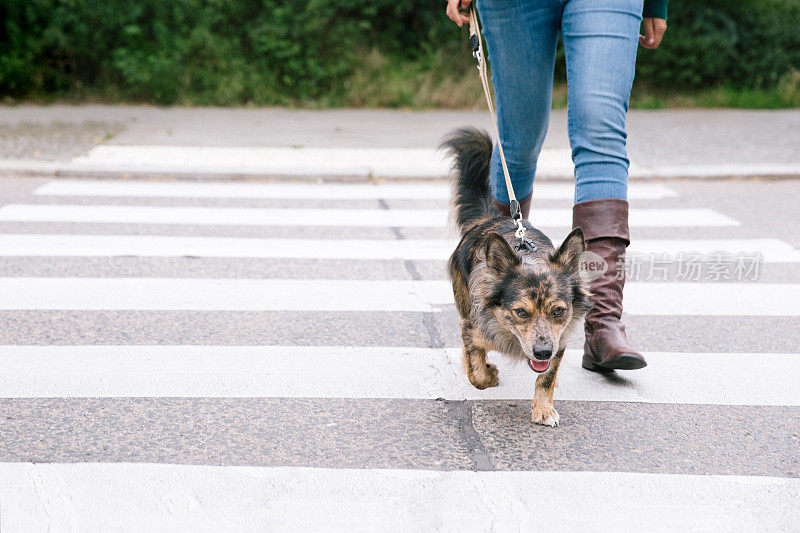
{"x":740,"y":43}
{"x":213,"y":51}
{"x":333,"y":52}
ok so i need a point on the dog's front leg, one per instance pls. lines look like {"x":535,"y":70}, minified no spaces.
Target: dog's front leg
{"x":480,"y":373}
{"x":542,"y":411}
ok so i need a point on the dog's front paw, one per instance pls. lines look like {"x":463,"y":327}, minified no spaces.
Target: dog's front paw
{"x":544,"y":414}
{"x":484,"y":379}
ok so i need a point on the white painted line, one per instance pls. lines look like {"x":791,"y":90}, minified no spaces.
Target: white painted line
{"x":257,"y":190}
{"x":289,"y":190}
{"x":641,"y":298}
{"x":720,"y":170}
{"x":163,"y":246}
{"x":352,"y":162}
{"x":249,"y":216}
{"x":366,"y":162}
{"x":222,"y":294}
{"x":57,"y":245}
{"x":380,"y":372}
{"x":224,"y":215}
{"x":161,"y":497}
{"x":715,"y":378}
{"x":709,"y":298}
{"x":771,"y":250}
{"x":379,"y":162}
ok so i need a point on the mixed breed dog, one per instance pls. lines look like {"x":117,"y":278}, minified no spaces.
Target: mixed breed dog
{"x":521,"y":303}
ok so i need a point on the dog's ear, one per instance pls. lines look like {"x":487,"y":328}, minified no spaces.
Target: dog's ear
{"x":569,"y":253}
{"x":499,"y":254}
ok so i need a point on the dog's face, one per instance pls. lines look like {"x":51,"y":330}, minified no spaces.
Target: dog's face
{"x":537,"y":300}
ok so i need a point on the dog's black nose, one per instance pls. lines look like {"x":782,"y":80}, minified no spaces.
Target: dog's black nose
{"x":542,"y":351}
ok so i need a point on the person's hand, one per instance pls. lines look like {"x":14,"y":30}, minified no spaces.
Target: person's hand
{"x":654,"y":29}
{"x":454,"y":14}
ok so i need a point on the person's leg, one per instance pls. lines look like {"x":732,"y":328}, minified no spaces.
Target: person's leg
{"x":601,"y":40}
{"x":521,"y":43}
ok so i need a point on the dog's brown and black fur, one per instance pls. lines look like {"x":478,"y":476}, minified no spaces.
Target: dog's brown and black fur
{"x":522,"y":304}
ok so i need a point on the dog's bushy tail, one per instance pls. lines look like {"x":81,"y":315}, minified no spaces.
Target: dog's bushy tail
{"x":471,"y":196}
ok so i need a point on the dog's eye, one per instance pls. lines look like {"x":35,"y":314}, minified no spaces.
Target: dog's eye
{"x":521,"y":312}
{"x":558,"y":311}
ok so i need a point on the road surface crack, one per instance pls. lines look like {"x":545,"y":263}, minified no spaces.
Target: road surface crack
{"x":461,"y":412}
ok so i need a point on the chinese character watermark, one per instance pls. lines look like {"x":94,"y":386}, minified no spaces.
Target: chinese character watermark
{"x":679,"y":266}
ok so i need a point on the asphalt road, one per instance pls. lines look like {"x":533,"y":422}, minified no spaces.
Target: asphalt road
{"x":225,"y":397}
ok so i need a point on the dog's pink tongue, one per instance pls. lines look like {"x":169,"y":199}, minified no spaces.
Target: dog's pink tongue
{"x":538,"y":366}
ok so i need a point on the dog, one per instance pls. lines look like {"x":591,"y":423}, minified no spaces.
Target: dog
{"x":523,"y":304}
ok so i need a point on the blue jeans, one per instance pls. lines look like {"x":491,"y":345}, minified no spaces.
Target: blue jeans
{"x":600,"y":40}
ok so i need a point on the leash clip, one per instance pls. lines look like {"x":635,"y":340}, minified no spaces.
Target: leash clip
{"x":474,"y":40}
{"x":516,"y":216}
{"x":520,"y":233}
{"x":525,"y":245}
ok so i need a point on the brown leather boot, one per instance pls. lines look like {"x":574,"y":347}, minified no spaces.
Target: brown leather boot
{"x":605,"y":229}
{"x":524,"y":206}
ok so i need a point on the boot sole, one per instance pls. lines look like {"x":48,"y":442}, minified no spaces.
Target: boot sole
{"x":623,"y":361}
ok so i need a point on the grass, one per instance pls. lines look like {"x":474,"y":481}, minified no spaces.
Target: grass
{"x":784,"y":96}
{"x":442,"y":81}
{"x":426,"y":84}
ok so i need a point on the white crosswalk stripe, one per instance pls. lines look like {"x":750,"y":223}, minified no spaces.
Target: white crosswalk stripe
{"x":641,"y":298}
{"x":146,"y":497}
{"x":284,"y":190}
{"x":379,"y":372}
{"x":249,"y":216}
{"x":54,"y":370}
{"x":769,"y":250}
{"x":306,"y":161}
{"x":388,"y":162}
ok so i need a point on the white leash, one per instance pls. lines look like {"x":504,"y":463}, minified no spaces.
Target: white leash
{"x":477,"y":52}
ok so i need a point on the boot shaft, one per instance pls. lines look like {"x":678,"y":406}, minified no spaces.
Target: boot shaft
{"x":605,"y":227}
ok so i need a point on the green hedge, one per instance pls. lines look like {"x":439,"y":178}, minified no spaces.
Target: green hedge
{"x":308,"y":52}
{"x":744,"y":44}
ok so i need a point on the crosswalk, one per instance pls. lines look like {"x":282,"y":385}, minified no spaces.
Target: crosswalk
{"x":292,"y":498}
{"x":16,"y":245}
{"x":177,"y":294}
{"x":374,"y":372}
{"x":250,"y":216}
{"x":108,"y":422}
{"x":284,"y":190}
